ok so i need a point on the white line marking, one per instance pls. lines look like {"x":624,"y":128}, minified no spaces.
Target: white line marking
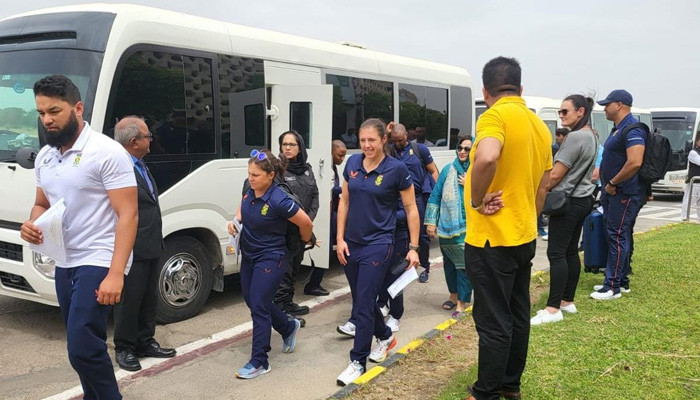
{"x":189,"y":347}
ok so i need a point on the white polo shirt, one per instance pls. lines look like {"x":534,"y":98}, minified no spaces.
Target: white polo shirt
{"x":82,"y":176}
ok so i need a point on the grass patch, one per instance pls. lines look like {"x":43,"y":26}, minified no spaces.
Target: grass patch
{"x":643,"y":346}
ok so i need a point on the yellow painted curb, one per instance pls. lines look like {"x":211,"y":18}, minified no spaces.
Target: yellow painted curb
{"x":369,"y":375}
{"x":411,"y":346}
{"x":445,"y":324}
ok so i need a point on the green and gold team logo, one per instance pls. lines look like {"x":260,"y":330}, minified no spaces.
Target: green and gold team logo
{"x":76,"y":160}
{"x":264,"y":209}
{"x":378,"y":181}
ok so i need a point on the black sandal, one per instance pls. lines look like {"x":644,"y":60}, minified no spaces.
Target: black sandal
{"x":448,"y":305}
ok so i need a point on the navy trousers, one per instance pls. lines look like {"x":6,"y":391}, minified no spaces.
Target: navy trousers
{"x":365,"y":270}
{"x":86,"y":329}
{"x":423,"y":239}
{"x":620,"y":213}
{"x":395,"y":304}
{"x":260,"y":277}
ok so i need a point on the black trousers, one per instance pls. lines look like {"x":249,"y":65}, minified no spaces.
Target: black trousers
{"x":562,"y":251}
{"x":135,"y":314}
{"x":500,"y":277}
{"x":285,"y":292}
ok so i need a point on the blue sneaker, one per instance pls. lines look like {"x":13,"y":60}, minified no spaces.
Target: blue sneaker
{"x":249,"y":371}
{"x":290,"y":341}
{"x":543,"y":234}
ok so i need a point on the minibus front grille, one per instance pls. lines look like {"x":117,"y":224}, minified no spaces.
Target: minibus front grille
{"x":12,"y":281}
{"x":11,"y":251}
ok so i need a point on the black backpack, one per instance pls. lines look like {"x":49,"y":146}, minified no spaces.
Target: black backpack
{"x":657,"y":154}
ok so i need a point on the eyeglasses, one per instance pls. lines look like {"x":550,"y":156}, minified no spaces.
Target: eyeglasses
{"x":465,"y":148}
{"x":289,"y":145}
{"x":563,"y":112}
{"x":149,"y":137}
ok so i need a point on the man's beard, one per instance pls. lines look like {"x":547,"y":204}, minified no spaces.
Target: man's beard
{"x":63,"y":136}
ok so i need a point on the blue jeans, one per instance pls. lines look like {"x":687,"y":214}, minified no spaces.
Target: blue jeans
{"x":86,"y":330}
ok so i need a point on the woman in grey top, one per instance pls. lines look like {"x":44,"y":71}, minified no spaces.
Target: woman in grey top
{"x":571,"y":174}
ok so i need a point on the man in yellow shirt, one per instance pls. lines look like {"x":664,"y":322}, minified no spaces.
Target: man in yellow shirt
{"x":503,"y":195}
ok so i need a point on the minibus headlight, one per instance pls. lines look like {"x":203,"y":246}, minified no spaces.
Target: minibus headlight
{"x":44,"y":264}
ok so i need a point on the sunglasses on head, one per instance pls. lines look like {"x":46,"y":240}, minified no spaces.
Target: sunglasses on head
{"x":259,"y":155}
{"x":465,"y":148}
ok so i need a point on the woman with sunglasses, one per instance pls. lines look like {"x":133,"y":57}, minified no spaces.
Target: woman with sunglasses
{"x":265,"y":211}
{"x":366,"y":224}
{"x":445,"y":217}
{"x":571,"y":174}
{"x":299,"y":177}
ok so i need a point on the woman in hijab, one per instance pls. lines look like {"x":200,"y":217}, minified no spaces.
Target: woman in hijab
{"x":445,"y":218}
{"x":299,"y":177}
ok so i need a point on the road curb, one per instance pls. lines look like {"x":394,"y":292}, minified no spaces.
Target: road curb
{"x":403,"y":352}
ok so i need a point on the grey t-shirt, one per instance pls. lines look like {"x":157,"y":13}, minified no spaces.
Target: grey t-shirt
{"x":578,"y":153}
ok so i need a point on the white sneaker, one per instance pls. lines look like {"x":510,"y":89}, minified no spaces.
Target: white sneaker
{"x":381,"y":349}
{"x":571,"y":308}
{"x":544,"y":317}
{"x":394,"y":324}
{"x":347,"y":329}
{"x":384,"y":310}
{"x":545,"y":237}
{"x":623,"y":289}
{"x":353,"y":371}
{"x":609,"y":295}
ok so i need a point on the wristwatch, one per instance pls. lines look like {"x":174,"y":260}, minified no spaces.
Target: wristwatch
{"x":611,"y":183}
{"x":412,"y":247}
{"x":471,"y":203}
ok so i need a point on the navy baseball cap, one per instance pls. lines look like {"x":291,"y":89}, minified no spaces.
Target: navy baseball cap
{"x":617,"y":96}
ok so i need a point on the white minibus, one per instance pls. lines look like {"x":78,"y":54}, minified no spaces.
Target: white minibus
{"x":210,"y":93}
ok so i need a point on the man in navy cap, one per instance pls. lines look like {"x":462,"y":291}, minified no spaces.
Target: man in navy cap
{"x":622,"y":193}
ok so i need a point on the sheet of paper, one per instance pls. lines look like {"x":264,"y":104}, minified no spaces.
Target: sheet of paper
{"x":234,"y":241}
{"x":51,"y":225}
{"x":402,"y":281}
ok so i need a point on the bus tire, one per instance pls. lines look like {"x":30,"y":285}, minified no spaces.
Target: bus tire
{"x":186,"y":278}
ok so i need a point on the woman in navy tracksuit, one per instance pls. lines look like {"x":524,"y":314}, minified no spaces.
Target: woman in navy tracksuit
{"x":264,"y":213}
{"x":366,"y":224}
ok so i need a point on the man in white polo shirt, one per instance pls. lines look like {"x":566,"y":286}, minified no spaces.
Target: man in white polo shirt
{"x":94,"y":176}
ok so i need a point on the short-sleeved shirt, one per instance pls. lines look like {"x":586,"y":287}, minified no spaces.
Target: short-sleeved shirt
{"x":265,"y":222}
{"x":372,"y":199}
{"x":414,"y":164}
{"x":82,"y":176}
{"x":615,"y":156}
{"x":526,"y":154}
{"x":578,"y":154}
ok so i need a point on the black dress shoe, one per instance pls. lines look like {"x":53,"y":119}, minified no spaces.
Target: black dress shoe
{"x":153,"y":349}
{"x":295,"y":309}
{"x":316,"y":291}
{"x":127,"y":360}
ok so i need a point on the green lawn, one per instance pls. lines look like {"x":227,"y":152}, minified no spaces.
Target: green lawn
{"x":643,"y":346}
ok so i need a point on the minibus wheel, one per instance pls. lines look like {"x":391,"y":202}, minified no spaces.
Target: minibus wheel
{"x":185,"y":279}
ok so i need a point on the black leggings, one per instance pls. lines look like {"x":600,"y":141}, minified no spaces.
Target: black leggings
{"x":562,"y":251}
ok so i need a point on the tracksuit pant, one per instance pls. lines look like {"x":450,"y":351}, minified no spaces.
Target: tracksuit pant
{"x":260,"y":277}
{"x":620,"y":213}
{"x":365,"y":270}
{"x":86,"y":329}
{"x":395,"y":304}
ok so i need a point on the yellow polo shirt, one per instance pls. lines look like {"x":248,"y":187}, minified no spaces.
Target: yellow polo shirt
{"x":525,"y":156}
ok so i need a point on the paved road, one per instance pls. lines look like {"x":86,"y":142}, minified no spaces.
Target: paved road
{"x":32,"y":341}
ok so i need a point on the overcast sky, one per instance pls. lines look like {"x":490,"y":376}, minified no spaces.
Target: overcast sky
{"x":648,"y":47}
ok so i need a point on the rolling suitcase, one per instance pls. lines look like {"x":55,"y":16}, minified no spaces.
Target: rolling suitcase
{"x":595,"y":247}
